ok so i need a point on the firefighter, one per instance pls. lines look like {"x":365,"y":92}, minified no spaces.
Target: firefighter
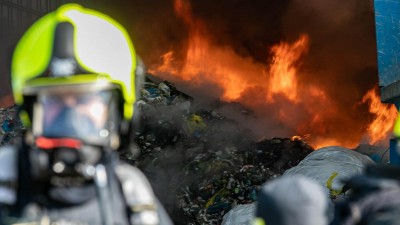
{"x":291,"y":200}
{"x":73,"y":75}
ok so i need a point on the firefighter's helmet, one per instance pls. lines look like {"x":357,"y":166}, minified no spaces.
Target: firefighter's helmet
{"x":74,"y":75}
{"x":75,"y":55}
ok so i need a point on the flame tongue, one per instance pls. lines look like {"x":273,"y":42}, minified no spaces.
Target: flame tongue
{"x":384,"y":117}
{"x":287,"y":103}
{"x":283,"y":72}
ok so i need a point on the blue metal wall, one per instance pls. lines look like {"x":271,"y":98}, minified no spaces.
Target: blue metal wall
{"x":387,"y":20}
{"x":387,"y":25}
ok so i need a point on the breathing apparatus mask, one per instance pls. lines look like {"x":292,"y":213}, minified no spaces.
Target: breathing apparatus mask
{"x":72,"y":132}
{"x":76,"y":90}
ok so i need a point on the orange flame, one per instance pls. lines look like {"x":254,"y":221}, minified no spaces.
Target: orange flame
{"x":206,"y":63}
{"x":301,"y":108}
{"x":385,"y":115}
{"x":167,"y":66}
{"x":283,"y":71}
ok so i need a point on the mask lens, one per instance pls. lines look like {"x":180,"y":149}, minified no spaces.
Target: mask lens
{"x":83,"y":116}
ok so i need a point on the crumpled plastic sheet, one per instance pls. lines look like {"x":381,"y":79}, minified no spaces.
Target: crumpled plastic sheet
{"x":331,"y":166}
{"x":240,"y":215}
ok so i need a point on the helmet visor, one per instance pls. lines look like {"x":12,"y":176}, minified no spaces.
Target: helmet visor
{"x":84,"y":116}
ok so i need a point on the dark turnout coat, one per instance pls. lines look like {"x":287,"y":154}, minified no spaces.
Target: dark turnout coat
{"x":373,"y":199}
{"x":126,"y":199}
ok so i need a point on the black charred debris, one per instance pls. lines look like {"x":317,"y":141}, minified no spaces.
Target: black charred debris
{"x":11,"y":127}
{"x":199,"y":162}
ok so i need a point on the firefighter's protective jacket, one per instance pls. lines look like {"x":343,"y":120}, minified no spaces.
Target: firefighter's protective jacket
{"x":130,"y":199}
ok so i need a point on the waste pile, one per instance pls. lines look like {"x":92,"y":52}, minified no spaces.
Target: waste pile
{"x":201,"y":163}
{"x":11,"y":127}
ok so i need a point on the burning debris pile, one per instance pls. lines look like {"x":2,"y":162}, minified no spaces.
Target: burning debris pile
{"x":201,"y":163}
{"x":221,"y":184}
{"x":10,"y":125}
{"x":293,"y":77}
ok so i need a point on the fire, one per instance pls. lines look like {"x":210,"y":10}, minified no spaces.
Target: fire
{"x":384,"y":117}
{"x":207,"y":63}
{"x":283,"y":72}
{"x":183,"y":10}
{"x":276,"y":90}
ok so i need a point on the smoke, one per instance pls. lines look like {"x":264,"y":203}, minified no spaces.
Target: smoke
{"x":340,"y":61}
{"x":342,"y":36}
{"x":341,"y":58}
{"x":247,"y":26}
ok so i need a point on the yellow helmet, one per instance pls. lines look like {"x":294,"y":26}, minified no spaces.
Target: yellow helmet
{"x":74,"y":46}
